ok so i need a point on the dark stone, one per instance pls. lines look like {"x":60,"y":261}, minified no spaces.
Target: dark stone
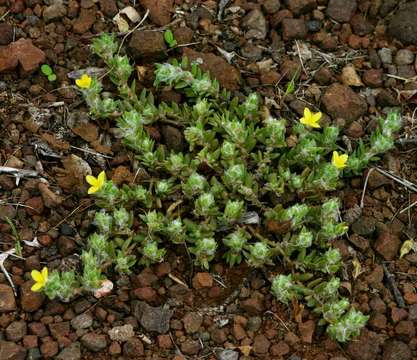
{"x":365,"y":347}
{"x":200,"y":13}
{"x":152,"y":318}
{"x":7,"y":300}
{"x":341,"y":10}
{"x":313,"y":25}
{"x":159,"y":11}
{"x":256,"y":25}
{"x":299,"y":7}
{"x":190,"y":347}
{"x":108,"y":7}
{"x":11,"y":351}
{"x":403,"y":25}
{"x":34,"y":354}
{"x":227,"y":75}
{"x":293,"y":29}
{"x":271,"y":6}
{"x":183,"y":35}
{"x":251,"y":52}
{"x":72,"y":352}
{"x":387,"y":6}
{"x":29,"y":300}
{"x":396,"y":350}
{"x":133,"y":348}
{"x":16,"y":331}
{"x":147,"y":46}
{"x":341,"y":101}
{"x":360,"y":25}
{"x":66,"y":245}
{"x":385,"y":98}
{"x":365,"y":225}
{"x":94,"y":342}
{"x":67,"y":230}
{"x":6,"y":34}
{"x":173,"y":138}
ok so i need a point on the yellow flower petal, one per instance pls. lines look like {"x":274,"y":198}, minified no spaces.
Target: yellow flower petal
{"x":84,"y":82}
{"x":101,"y":178}
{"x":37,"y":286}
{"x":91,"y":180}
{"x":339,"y":161}
{"x":93,"y":190}
{"x":37,"y":276}
{"x":317,"y":116}
{"x":307,"y":113}
{"x":311,"y":119}
{"x":45,"y":274}
{"x":315,"y":125}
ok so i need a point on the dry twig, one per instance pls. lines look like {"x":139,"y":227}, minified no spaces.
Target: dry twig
{"x":3,"y":257}
{"x":18,"y":173}
{"x":178,"y":281}
{"x":279,"y":319}
{"x":393,"y":285}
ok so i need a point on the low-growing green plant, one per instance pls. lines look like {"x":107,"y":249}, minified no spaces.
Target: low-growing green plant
{"x":228,"y":192}
{"x":291,"y":86}
{"x":48,"y":72}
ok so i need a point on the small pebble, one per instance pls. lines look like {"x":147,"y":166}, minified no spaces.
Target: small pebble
{"x":385,"y":55}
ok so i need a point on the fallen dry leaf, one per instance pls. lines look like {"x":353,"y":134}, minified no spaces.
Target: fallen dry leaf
{"x":87,"y":131}
{"x":122,"y":175}
{"x":131,"y":13}
{"x":406,"y":247}
{"x":303,"y":51}
{"x":50,"y":199}
{"x":278,"y":227}
{"x":74,"y":172}
{"x":347,"y":285}
{"x":100,"y":148}
{"x":121,"y":22}
{"x":56,"y":144}
{"x":357,"y":268}
{"x":265,"y":65}
{"x":298,"y":310}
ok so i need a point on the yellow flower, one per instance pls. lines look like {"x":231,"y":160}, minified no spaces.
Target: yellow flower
{"x":96,"y":182}
{"x":339,"y":160}
{"x":84,"y":82}
{"x":40,"y":277}
{"x":311,"y":119}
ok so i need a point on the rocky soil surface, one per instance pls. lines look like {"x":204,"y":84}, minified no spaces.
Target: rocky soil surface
{"x":352,"y":59}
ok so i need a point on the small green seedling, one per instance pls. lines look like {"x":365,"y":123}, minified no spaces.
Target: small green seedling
{"x":48,"y":72}
{"x":169,"y":38}
{"x":291,"y":85}
{"x":18,"y":245}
